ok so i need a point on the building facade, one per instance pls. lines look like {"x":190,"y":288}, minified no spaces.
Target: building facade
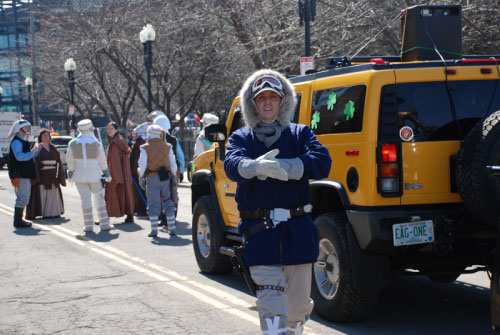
{"x":15,"y":55}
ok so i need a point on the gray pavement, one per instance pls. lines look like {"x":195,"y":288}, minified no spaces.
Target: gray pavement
{"x":55,"y":280}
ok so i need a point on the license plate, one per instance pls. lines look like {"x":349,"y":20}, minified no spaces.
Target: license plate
{"x":413,"y":233}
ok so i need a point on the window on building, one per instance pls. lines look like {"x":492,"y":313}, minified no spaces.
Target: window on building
{"x":4,"y":41}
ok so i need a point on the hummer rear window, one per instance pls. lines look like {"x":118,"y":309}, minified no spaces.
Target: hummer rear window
{"x":338,"y":110}
{"x":425,"y":107}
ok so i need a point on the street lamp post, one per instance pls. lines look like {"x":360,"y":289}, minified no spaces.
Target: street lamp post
{"x":70,"y":67}
{"x":147,"y":36}
{"x":28,"y":82}
{"x":307,"y":12}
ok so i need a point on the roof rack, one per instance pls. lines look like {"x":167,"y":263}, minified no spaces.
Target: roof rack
{"x":336,"y":62}
{"x":485,"y":57}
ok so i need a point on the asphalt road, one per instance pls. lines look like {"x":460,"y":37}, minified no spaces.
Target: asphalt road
{"x":55,"y":280}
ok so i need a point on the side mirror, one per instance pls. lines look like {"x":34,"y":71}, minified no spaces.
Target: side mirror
{"x":217,"y":133}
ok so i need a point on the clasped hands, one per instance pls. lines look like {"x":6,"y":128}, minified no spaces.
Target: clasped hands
{"x":263,"y":167}
{"x":268,"y":166}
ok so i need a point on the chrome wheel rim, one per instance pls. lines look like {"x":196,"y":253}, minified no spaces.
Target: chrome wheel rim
{"x":203,"y":235}
{"x":326,"y":269}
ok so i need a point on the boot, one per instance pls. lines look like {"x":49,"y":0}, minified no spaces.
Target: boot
{"x":154,"y":226}
{"x":129,"y":218}
{"x":88,"y":228}
{"x":171,"y":225}
{"x":107,"y":226}
{"x":295,"y":328}
{"x":18,"y":218}
{"x":274,"y":326}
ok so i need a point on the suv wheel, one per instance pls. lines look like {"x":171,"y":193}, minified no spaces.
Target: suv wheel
{"x":335,"y":296}
{"x":480,"y":192}
{"x":207,"y":238}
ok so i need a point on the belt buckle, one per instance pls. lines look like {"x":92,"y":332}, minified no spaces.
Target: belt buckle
{"x":280,"y":214}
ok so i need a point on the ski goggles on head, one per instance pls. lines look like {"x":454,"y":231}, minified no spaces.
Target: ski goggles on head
{"x":267,"y":83}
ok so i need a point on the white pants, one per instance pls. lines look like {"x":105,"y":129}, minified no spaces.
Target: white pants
{"x":295,"y":302}
{"x":87,"y":192}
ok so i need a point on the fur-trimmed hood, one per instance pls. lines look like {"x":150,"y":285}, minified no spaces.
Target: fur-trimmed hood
{"x":287,"y":106}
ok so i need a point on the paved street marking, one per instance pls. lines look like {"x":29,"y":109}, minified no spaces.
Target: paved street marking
{"x":122,"y":257}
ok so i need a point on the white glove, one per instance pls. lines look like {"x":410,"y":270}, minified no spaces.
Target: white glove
{"x":107,"y":176}
{"x":293,"y":167}
{"x":142,"y":183}
{"x":263,"y":167}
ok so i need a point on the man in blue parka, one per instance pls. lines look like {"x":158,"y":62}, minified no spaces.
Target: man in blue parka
{"x":272,"y":161}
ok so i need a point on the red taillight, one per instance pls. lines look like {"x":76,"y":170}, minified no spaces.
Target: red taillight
{"x":389,"y":171}
{"x":389,"y":153}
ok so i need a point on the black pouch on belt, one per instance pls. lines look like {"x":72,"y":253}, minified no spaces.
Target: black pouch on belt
{"x":163,"y":173}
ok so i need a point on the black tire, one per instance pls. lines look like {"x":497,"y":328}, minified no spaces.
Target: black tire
{"x":333,"y":291}
{"x":208,"y":237}
{"x":480,"y":192}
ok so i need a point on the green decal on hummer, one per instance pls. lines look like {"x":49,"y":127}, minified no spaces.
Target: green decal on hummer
{"x":315,"y":120}
{"x":332,"y":100}
{"x":349,"y":110}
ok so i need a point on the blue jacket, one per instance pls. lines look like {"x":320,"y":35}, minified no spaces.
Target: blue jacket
{"x":296,"y":240}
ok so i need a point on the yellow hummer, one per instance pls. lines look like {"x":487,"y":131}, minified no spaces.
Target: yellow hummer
{"x":409,"y":137}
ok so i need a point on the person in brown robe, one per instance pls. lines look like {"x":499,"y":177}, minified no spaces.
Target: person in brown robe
{"x":140,"y":201}
{"x":46,"y":196}
{"x":118,"y":195}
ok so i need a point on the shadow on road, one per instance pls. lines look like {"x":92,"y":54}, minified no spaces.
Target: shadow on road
{"x":182,"y":228}
{"x":51,"y":221}
{"x":102,"y":236}
{"x":164,"y":238}
{"x":417,"y":305}
{"x":127,"y":227}
{"x":27,"y":231}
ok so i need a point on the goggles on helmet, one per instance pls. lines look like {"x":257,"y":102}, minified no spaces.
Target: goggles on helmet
{"x":270,"y":81}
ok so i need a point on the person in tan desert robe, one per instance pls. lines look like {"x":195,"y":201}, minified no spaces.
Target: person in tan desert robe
{"x":119,"y":197}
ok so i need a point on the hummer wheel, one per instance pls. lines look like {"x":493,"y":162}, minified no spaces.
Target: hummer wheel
{"x":480,"y":192}
{"x":207,"y":238}
{"x":333,"y":291}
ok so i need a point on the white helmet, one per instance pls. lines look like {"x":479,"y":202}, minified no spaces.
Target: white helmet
{"x":17,"y":126}
{"x":155,"y":114}
{"x":163,"y":122}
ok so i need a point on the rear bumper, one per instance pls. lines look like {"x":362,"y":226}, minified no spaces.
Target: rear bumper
{"x":373,"y":227}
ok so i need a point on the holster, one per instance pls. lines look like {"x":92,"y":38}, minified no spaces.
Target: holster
{"x":163,"y":173}
{"x":241,"y":267}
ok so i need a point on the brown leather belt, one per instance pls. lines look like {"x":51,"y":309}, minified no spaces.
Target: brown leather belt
{"x":268,"y":215}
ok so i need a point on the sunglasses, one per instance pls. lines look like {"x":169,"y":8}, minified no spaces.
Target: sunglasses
{"x":272,"y":82}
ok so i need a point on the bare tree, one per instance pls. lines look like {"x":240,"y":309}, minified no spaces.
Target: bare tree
{"x":205,"y":48}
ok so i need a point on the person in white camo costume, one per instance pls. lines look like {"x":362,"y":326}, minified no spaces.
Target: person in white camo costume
{"x":86,"y":164}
